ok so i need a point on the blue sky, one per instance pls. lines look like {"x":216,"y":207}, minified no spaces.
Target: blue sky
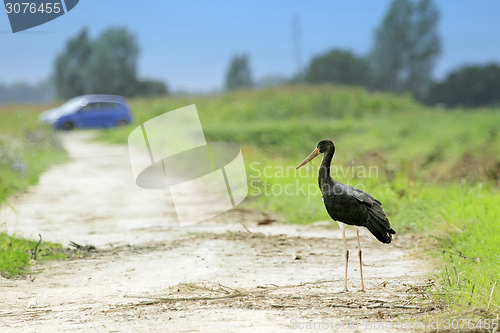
{"x":188,"y":44}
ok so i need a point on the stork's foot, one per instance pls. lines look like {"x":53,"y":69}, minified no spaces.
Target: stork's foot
{"x":362,"y":290}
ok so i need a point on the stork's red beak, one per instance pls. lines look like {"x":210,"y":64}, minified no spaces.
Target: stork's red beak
{"x":315,"y":153}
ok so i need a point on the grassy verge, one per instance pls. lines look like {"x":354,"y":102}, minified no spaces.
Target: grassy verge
{"x":436,"y":171}
{"x":17,"y":254}
{"x":470,"y":246}
{"x":26,"y":150}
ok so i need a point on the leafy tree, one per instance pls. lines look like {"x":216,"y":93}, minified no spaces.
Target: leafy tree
{"x":239,"y":75}
{"x":70,"y":65}
{"x":338,"y":66}
{"x":112,"y":67}
{"x":406,"y":46}
{"x":107,"y":65}
{"x":468,"y":86}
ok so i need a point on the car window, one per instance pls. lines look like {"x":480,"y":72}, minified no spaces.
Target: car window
{"x":110,"y":106}
{"x":91,"y":106}
{"x":102,"y":106}
{"x":72,"y":104}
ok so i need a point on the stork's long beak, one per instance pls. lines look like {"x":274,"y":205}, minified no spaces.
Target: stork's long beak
{"x":315,"y":153}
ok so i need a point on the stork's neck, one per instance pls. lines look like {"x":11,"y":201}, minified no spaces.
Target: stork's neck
{"x":325,"y":180}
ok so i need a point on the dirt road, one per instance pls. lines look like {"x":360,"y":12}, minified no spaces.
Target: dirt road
{"x":149,"y":274}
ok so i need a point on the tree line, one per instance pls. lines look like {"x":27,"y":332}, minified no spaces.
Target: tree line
{"x":39,"y":93}
{"x":106,"y":65}
{"x":405,"y":48}
{"x":404,"y":52}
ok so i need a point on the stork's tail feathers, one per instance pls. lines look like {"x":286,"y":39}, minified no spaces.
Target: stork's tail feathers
{"x":379,"y":225}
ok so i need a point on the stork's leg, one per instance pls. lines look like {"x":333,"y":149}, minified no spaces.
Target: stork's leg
{"x":346,"y":259}
{"x":360,"y":261}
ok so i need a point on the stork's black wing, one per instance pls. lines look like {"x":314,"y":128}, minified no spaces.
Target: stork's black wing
{"x":352,"y":206}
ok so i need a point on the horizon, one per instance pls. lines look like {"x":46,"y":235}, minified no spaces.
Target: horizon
{"x":189,"y":47}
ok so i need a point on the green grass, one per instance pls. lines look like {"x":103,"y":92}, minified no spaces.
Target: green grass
{"x":470,"y":244}
{"x":436,"y":171}
{"x":17,"y":254}
{"x":435,"y":145}
{"x":26,"y":150}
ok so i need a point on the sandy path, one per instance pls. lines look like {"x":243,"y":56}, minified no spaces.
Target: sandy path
{"x":149,"y":274}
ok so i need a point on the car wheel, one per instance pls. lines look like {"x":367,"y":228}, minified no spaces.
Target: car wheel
{"x":122,"y":122}
{"x":67,"y":126}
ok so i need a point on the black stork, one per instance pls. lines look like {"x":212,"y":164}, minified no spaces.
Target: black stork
{"x":349,"y":205}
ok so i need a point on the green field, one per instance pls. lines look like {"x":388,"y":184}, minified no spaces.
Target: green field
{"x":437,"y":171}
{"x":26,"y":150}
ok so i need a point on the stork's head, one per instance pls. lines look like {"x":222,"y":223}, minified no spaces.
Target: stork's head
{"x":322,"y":147}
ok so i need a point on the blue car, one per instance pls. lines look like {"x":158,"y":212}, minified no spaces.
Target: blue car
{"x":89,"y":111}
